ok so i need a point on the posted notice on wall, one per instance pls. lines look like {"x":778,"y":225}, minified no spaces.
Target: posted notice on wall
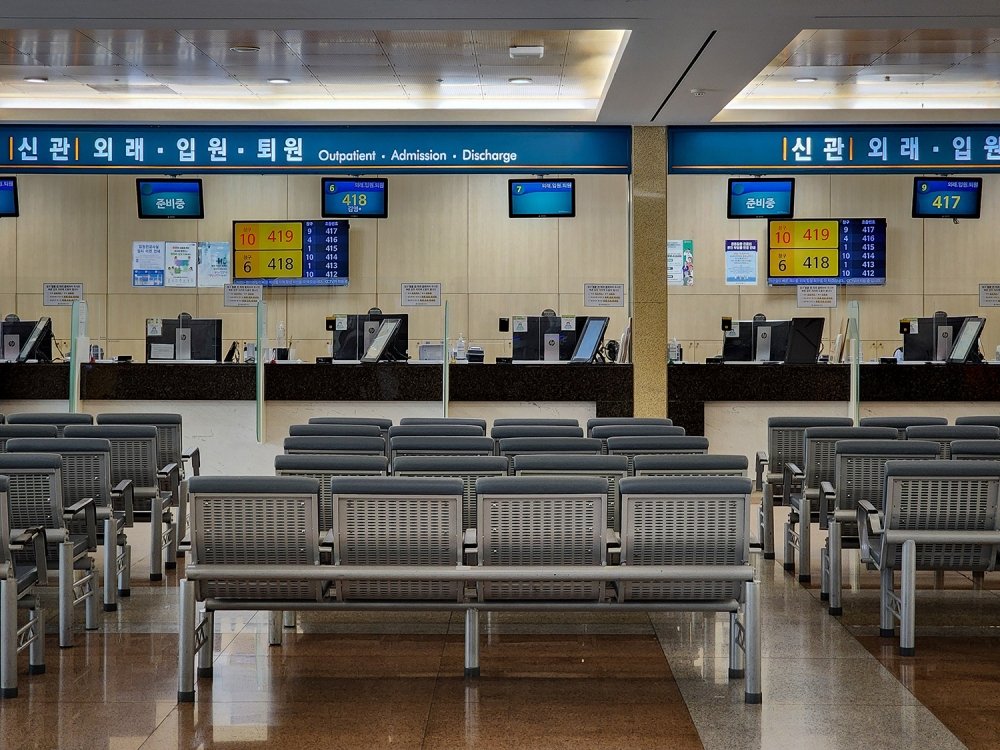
{"x":680,"y":262}
{"x":61,"y":295}
{"x":816,"y":295}
{"x":180,"y":264}
{"x":242,"y":295}
{"x":741,"y":262}
{"x":414,"y":294}
{"x":989,"y":295}
{"x":604,"y":295}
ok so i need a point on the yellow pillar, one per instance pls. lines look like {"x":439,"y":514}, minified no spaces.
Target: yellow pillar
{"x":649,"y":271}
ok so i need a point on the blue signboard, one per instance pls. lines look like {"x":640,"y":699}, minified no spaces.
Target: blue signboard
{"x":8,"y":196}
{"x":364,"y":199}
{"x":761,"y":198}
{"x":284,"y":149}
{"x":836,"y":148}
{"x":540,"y":198}
{"x":935,"y":198}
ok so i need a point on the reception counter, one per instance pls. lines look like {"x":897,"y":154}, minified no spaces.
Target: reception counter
{"x":690,"y":387}
{"x":609,"y":387}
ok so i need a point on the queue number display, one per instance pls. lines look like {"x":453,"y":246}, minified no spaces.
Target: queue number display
{"x":291,"y":253}
{"x":367,"y":198}
{"x":826,"y":251}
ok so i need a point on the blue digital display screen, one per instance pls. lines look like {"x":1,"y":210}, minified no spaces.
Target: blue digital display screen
{"x":761,"y":198}
{"x":8,"y":196}
{"x":362,"y":199}
{"x":170,"y":199}
{"x":947,"y":198}
{"x":541,"y":198}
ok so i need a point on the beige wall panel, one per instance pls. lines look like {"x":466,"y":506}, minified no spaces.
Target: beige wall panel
{"x":888,"y":196}
{"x":968,"y":304}
{"x":242,"y":198}
{"x":515,"y":256}
{"x":698,"y":350}
{"x":428,"y":322}
{"x":593,"y":246}
{"x":617,"y":316}
{"x":237,"y":322}
{"x":696,"y":210}
{"x":135,"y":348}
{"x":495,"y":347}
{"x":304,"y":202}
{"x":812,"y":198}
{"x":880,"y":313}
{"x":125,"y":227}
{"x":777,"y":304}
{"x":957,"y":257}
{"x":485,"y":310}
{"x":29,"y":307}
{"x":8,"y":256}
{"x":8,"y":303}
{"x":699,"y":316}
{"x":70,"y":247}
{"x":307,"y":314}
{"x":426,"y":237}
{"x":127,"y":313}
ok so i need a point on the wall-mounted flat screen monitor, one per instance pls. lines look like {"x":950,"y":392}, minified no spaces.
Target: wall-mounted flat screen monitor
{"x":534,"y":199}
{"x":761,"y":198}
{"x":826,"y":251}
{"x":170,"y":199}
{"x":589,"y":340}
{"x":345,"y":198}
{"x":8,"y":196}
{"x":386,"y":331}
{"x":291,"y":253}
{"x":947,"y":197}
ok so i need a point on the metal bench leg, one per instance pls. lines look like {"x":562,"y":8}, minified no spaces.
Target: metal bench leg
{"x":767,"y":522}
{"x":170,"y":560}
{"x":805,"y":540}
{"x":835,"y":582}
{"x":156,"y":541}
{"x":907,"y":598}
{"x":789,"y":563}
{"x":90,"y":590}
{"x":125,"y":576}
{"x":735,"y":652}
{"x":824,"y":573}
{"x":110,"y":564}
{"x":472,"y":642}
{"x":205,"y":652}
{"x":887,"y":625}
{"x":978,"y":578}
{"x":289,"y":620}
{"x":65,"y":594}
{"x":182,"y":496}
{"x":751,"y":640}
{"x":186,"y":639}
{"x":8,"y":637}
{"x":275,"y":633}
{"x":36,"y":651}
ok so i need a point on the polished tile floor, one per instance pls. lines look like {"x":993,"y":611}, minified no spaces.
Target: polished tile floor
{"x":548,"y":681}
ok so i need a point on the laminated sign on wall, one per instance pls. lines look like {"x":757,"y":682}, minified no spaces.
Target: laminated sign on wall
{"x":680,"y":262}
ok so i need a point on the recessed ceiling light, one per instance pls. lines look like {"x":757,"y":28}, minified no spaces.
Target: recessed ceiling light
{"x":279,"y":80}
{"x":526,"y":51}
{"x":806,"y":79}
{"x":244,"y":48}
{"x":36,"y":79}
{"x":520,"y":80}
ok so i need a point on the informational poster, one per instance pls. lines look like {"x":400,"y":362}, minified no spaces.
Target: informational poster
{"x":741,"y":262}
{"x":604,"y":295}
{"x":213,"y":264}
{"x":414,"y":294}
{"x":519,"y":323}
{"x":61,"y":295}
{"x":989,"y":295}
{"x":680,"y":262}
{"x":148,"y":259}
{"x":181,"y":267}
{"x":816,"y":295}
{"x":242,"y":295}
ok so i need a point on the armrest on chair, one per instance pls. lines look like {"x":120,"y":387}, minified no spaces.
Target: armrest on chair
{"x":869,"y":525}
{"x":791,"y":475}
{"x":168,"y":479}
{"x":761,"y":462}
{"x":89,"y":510}
{"x":36,"y":537}
{"x":195,"y":458}
{"x":827,"y":492}
{"x":122,"y":500}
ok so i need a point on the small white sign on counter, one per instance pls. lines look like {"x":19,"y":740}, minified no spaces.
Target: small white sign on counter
{"x":415,"y":294}
{"x":604,"y":295}
{"x":989,"y":295}
{"x":816,"y":295}
{"x":242,"y":295}
{"x":61,"y":295}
